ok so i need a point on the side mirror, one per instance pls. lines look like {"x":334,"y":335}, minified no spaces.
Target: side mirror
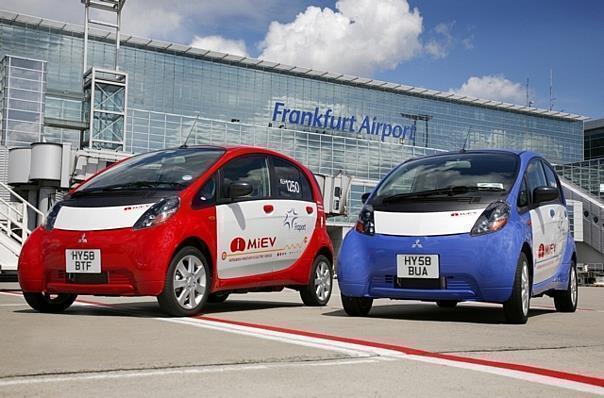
{"x":365,"y":196}
{"x":239,"y":189}
{"x":545,"y":194}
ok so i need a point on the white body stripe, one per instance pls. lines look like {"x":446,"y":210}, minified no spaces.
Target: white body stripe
{"x":252,"y":241}
{"x":99,"y":218}
{"x":426,"y":224}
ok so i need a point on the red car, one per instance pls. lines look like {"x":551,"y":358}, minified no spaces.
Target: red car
{"x":189,"y":225}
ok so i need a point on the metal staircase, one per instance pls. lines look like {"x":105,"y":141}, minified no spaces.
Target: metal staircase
{"x":16,"y":216}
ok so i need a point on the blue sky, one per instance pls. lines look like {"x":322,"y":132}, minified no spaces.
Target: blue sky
{"x":480,"y":48}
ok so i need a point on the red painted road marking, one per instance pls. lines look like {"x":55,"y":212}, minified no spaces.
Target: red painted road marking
{"x":595,"y":381}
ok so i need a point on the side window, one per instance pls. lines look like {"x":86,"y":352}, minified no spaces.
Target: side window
{"x":290,"y":182}
{"x":550,"y":175}
{"x":535,"y":176}
{"x":207,"y":194}
{"x":523,"y":195}
{"x":250,"y":169}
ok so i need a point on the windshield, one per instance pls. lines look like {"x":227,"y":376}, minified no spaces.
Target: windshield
{"x":172,"y":169}
{"x":450,"y":175}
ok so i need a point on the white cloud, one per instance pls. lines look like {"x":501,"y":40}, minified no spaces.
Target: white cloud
{"x":440,"y":48}
{"x":359,"y":37}
{"x":493,"y":87}
{"x":161,"y":19}
{"x":219,"y":43}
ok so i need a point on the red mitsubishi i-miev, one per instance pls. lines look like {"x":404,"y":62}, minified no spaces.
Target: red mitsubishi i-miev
{"x":189,"y":225}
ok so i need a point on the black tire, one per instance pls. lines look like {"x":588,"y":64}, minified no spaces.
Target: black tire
{"x":515,"y":309}
{"x":566,"y":301}
{"x":446,"y":303}
{"x":320,"y":284}
{"x":48,"y":303}
{"x":357,"y":306}
{"x":216,"y":298}
{"x":188,"y":258}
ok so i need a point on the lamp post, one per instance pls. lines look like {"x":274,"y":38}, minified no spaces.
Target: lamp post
{"x":415,"y":118}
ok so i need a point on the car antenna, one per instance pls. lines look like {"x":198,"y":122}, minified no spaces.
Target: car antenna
{"x":465,"y":142}
{"x":184,"y":145}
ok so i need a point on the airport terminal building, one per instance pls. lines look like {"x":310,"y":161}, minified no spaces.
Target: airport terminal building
{"x":331,"y":122}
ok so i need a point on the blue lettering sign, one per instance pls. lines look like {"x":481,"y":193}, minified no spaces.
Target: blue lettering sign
{"x":328,"y":120}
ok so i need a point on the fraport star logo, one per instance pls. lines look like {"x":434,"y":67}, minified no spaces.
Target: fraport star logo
{"x":290,"y":218}
{"x":328,"y":120}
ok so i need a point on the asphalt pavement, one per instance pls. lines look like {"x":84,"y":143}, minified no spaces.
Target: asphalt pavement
{"x":269,"y":344}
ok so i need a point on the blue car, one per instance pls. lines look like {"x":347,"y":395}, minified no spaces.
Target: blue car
{"x":486,"y":226}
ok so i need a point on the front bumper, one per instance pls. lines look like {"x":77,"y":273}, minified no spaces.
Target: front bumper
{"x":471,"y":268}
{"x":135,"y":262}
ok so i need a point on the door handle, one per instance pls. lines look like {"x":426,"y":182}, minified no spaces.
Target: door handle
{"x":309,"y":209}
{"x":552,"y":213}
{"x":268,"y":209}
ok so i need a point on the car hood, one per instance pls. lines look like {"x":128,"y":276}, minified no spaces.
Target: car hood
{"x":426,"y":223}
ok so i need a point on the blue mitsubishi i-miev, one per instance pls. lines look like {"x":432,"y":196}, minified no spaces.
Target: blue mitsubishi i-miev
{"x":469,"y":226}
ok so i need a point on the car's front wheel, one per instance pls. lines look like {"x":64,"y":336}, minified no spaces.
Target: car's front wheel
{"x":187,"y":283}
{"x":357,"y":306}
{"x":50,"y":303}
{"x":318,"y":290}
{"x":566,"y":301}
{"x":516,"y":309}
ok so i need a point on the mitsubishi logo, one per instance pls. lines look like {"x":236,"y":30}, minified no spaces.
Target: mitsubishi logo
{"x":417,"y":244}
{"x":83,"y":238}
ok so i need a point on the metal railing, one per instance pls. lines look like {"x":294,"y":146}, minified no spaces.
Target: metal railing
{"x":14,"y":217}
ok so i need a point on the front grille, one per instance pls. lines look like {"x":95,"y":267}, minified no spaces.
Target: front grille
{"x":418,"y":283}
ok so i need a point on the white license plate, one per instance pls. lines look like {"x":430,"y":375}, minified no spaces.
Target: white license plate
{"x":417,"y":266}
{"x":86,"y":261}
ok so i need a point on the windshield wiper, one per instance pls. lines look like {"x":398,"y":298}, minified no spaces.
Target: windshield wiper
{"x":447,"y":191}
{"x":131,"y":186}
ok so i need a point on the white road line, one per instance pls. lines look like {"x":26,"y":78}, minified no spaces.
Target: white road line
{"x":129,"y":374}
{"x":361,"y":350}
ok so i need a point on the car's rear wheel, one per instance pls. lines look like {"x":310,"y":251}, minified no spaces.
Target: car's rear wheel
{"x":446,"y":303}
{"x":516,"y":309}
{"x":357,"y":306}
{"x":187,"y":283}
{"x":318,"y":290}
{"x":50,"y":303}
{"x":566,"y":301}
{"x":219,"y":297}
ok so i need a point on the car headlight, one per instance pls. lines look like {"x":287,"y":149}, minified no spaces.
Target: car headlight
{"x":51,"y":216}
{"x":492,"y":219}
{"x":158,"y":213}
{"x":365,"y":223}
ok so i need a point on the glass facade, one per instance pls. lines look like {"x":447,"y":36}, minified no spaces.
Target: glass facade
{"x":244,"y":103}
{"x":22,"y":89}
{"x":176,"y":84}
{"x":594,"y":139}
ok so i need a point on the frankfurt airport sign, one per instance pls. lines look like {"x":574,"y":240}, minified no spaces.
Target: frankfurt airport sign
{"x":326,"y":119}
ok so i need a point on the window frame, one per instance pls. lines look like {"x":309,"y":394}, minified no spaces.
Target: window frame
{"x":220,"y":199}
{"x":546,"y":165}
{"x":275,"y":177}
